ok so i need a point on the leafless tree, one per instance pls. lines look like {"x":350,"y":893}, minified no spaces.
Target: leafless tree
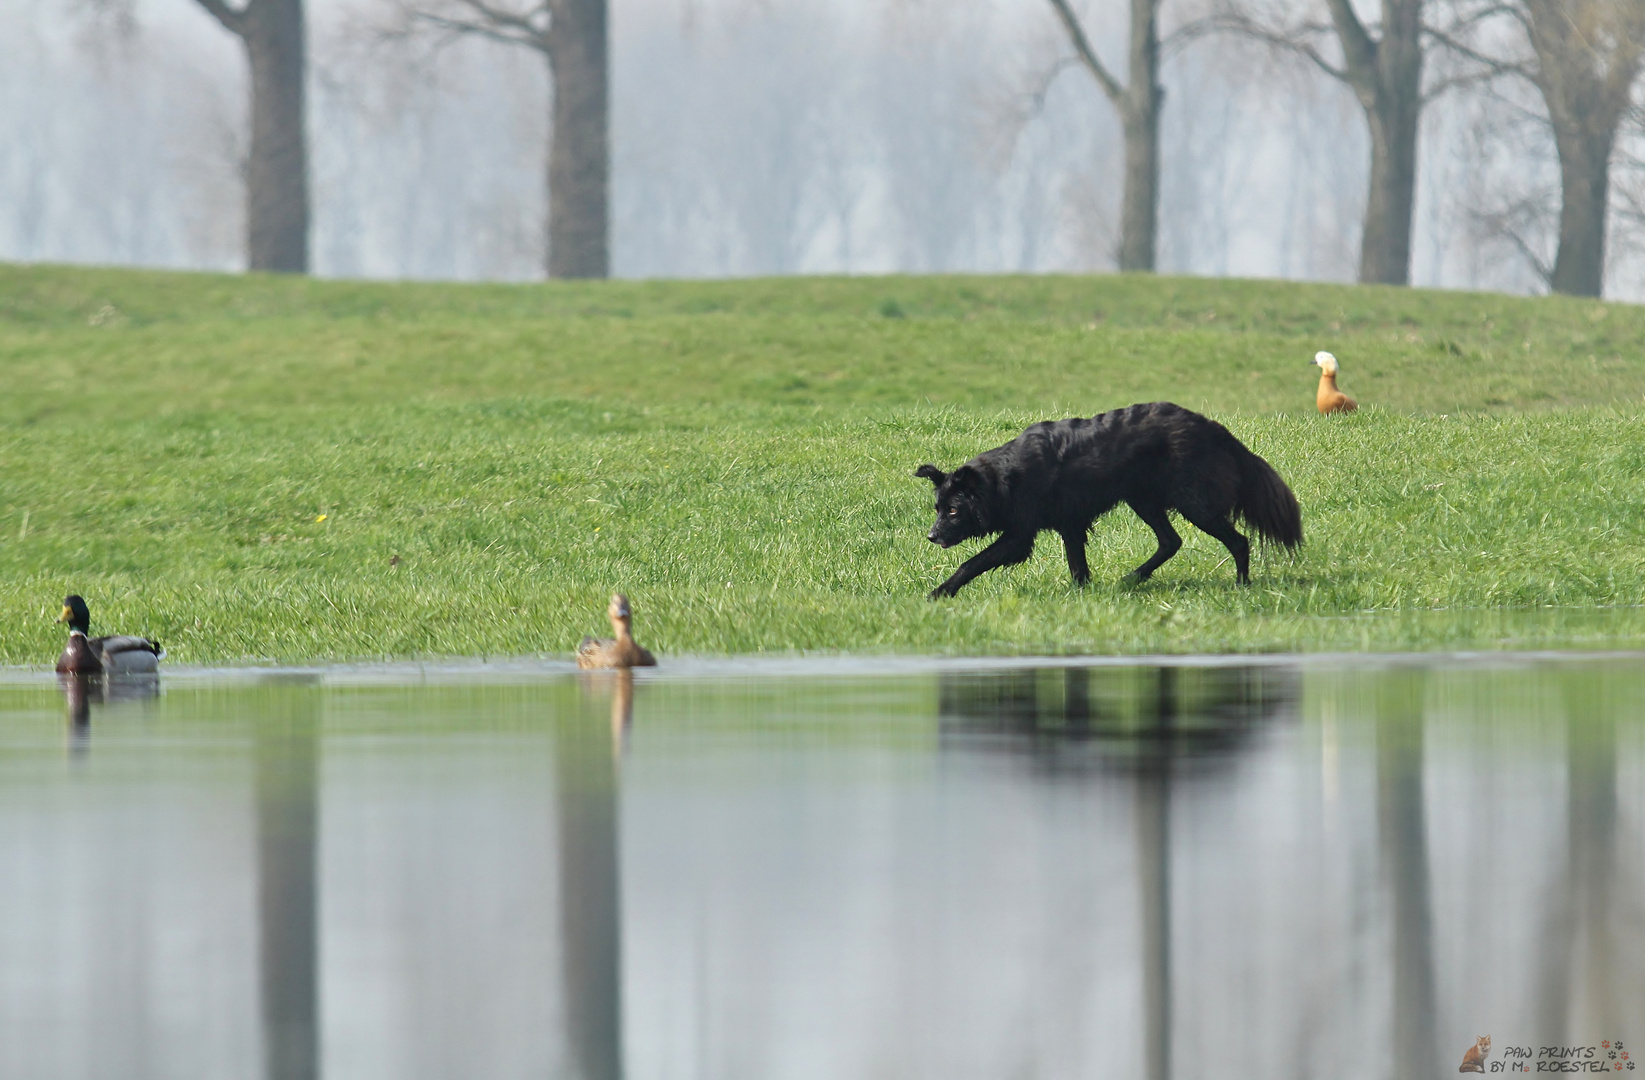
{"x":570,"y":36}
{"x":277,"y":206}
{"x":1628,"y":182}
{"x":1382,"y":63}
{"x":1584,"y":57}
{"x":1138,"y":101}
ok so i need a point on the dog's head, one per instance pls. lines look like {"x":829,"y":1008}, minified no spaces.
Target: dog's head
{"x":962,"y":504}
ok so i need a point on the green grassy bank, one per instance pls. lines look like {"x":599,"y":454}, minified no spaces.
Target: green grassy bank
{"x":292,"y":469}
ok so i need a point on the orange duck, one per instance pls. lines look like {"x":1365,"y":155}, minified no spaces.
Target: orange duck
{"x":1330,"y":399}
{"x":620,"y":652}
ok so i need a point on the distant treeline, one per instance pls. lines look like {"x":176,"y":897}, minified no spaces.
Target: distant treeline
{"x":1476,"y":143}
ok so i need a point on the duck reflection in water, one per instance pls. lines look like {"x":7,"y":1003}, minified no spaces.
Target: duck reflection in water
{"x":80,"y":692}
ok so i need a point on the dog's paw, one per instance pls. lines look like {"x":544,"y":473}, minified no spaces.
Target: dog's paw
{"x":941,"y":592}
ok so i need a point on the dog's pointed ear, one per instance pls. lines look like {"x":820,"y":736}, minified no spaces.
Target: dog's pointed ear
{"x":931,"y":473}
{"x":965,"y":478}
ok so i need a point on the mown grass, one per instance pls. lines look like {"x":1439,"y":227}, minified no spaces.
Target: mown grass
{"x":279,"y":468}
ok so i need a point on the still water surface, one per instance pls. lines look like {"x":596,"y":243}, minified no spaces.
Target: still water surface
{"x":1331,"y":868}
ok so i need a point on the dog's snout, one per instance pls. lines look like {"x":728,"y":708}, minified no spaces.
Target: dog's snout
{"x":932,"y":535}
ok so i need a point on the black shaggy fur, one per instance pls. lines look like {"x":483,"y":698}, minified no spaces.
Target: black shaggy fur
{"x":1064,"y":474}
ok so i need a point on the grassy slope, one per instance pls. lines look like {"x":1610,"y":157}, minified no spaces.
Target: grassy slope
{"x":737,"y":456}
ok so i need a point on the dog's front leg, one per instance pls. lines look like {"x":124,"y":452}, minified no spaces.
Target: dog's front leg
{"x":1008,"y":550}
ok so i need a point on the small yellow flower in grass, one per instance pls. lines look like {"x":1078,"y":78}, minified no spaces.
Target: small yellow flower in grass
{"x":319,"y":519}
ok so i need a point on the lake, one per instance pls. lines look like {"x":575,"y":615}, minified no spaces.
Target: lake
{"x":818,"y":870}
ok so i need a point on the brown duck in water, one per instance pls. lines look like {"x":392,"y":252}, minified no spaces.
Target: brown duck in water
{"x":117,"y":654}
{"x":621,"y":652}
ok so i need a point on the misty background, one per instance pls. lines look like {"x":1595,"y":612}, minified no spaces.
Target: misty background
{"x":752,"y":137}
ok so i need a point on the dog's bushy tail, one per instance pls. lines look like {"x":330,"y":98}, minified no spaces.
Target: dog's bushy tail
{"x":1266,"y":504}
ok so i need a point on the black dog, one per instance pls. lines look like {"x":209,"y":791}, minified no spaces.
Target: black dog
{"x":1065,"y":474}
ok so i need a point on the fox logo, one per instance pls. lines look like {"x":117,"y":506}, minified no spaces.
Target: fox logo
{"x":1474,"y":1059}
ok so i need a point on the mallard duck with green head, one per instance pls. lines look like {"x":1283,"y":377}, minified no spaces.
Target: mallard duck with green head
{"x":117,"y":654}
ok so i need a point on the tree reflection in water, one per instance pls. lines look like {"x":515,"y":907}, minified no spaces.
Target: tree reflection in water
{"x":1402,"y":828}
{"x":587,"y":758}
{"x":1411,"y":857}
{"x":1583,"y":906}
{"x":1148,"y":723}
{"x":288,"y":752}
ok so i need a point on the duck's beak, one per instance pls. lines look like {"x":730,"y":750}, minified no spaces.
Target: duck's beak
{"x":68,"y":613}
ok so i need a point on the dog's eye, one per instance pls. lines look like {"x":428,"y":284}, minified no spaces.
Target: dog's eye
{"x":953,"y":511}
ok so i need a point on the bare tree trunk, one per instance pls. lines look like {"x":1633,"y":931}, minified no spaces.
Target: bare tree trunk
{"x":1386,"y":76}
{"x":277,"y":210}
{"x":1585,"y":184}
{"x":1139,"y":213}
{"x":1393,"y":117}
{"x":1588,"y":54}
{"x":1138,"y":103}
{"x":579,"y":157}
{"x":571,"y":37}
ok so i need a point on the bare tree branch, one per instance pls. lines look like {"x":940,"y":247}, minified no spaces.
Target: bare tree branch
{"x":458,"y":19}
{"x":1037,"y":94}
{"x":1359,"y":51}
{"x":512,"y":20}
{"x":1492,"y":66}
{"x":1295,"y":39}
{"x":233,"y":19}
{"x":457,"y":28}
{"x":1539,"y":265}
{"x":1467,"y":80}
{"x":1087,"y":55}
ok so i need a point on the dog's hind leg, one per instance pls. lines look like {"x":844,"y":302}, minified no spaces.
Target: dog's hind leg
{"x":1008,"y":550}
{"x":1074,"y":541}
{"x":1237,"y":545}
{"x":1155,"y":517}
